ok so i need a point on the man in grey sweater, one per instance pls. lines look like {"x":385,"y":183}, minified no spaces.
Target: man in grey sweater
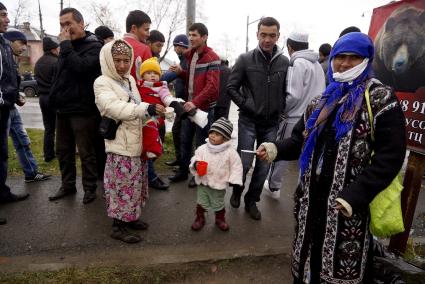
{"x":305,"y":81}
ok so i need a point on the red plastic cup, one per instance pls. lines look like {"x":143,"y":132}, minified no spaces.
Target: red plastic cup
{"x":201,"y":168}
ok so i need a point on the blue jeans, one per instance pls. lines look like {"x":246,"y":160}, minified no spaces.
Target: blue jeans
{"x":187,"y":132}
{"x":250,"y":131}
{"x":4,"y":119}
{"x":278,"y":168}
{"x":22,"y":142}
{"x":152,"y":176}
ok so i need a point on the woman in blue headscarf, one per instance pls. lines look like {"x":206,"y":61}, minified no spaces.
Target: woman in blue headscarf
{"x":339,"y":176}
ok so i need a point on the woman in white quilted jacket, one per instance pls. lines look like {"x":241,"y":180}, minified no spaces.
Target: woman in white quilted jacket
{"x":125,"y":179}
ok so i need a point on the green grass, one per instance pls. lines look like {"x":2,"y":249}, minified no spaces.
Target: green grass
{"x":237,"y":270}
{"x":119,"y":274}
{"x":36,"y":136}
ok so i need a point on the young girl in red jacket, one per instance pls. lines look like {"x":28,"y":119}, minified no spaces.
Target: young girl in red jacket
{"x":154,"y":91}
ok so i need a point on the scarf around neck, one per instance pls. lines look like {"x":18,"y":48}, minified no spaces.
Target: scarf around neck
{"x":346,"y":97}
{"x":218,"y":148}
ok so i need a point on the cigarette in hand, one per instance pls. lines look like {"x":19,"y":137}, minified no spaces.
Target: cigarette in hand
{"x":249,"y":151}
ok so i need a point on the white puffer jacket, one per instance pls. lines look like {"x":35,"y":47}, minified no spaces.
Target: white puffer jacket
{"x":112,"y":101}
{"x":224,"y":165}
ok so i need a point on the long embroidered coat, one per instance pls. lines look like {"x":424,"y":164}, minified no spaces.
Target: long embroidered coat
{"x":329,"y":247}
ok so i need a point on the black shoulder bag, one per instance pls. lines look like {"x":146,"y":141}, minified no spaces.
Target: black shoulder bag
{"x":108,"y":127}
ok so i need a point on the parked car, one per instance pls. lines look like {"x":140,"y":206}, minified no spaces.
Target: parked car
{"x":29,"y":87}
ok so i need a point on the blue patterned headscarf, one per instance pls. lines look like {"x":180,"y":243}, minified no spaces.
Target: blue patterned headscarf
{"x":351,"y":93}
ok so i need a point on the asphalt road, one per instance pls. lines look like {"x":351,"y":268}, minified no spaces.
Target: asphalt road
{"x":40,"y":233}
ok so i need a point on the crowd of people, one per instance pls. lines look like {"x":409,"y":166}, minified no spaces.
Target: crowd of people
{"x":310,"y":106}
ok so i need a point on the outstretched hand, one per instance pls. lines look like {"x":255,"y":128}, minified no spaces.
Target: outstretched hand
{"x":261,"y":153}
{"x":176,"y":69}
{"x":339,"y":206}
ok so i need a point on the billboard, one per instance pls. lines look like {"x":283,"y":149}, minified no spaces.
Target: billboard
{"x":398,"y":32}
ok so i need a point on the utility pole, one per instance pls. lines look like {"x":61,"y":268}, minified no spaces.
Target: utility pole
{"x":41,"y":21}
{"x":247,"y":25}
{"x":247,"y":38}
{"x":190,"y":13}
{"x":61,"y":5}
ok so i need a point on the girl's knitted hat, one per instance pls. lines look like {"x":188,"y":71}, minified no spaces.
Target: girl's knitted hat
{"x":222,"y":126}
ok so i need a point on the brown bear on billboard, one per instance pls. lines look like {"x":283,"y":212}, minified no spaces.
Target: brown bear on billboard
{"x":400,"y":50}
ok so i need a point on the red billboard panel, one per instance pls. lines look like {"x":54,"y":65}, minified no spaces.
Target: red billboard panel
{"x":398,"y":32}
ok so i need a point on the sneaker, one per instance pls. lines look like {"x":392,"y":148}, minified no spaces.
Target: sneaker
{"x":271,"y":192}
{"x":37,"y":177}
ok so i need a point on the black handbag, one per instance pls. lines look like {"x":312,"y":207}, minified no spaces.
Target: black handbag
{"x":108,"y":128}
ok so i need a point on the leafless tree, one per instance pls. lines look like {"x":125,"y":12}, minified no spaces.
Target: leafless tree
{"x":103,"y":15}
{"x":22,"y":12}
{"x":176,"y":21}
{"x":225,"y":47}
{"x":168,"y":16}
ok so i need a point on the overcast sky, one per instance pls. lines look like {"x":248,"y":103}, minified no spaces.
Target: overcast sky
{"x":226,"y":19}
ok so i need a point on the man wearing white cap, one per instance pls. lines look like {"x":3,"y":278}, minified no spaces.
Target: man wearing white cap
{"x":305,"y":81}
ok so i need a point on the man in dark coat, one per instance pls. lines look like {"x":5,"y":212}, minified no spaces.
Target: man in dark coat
{"x":73,"y":96}
{"x":44,"y":72}
{"x":257,"y":86}
{"x":8,"y":97}
{"x":324,"y":51}
{"x":181,"y":45}
{"x":104,"y":33}
{"x":20,"y":138}
{"x":223,"y":103}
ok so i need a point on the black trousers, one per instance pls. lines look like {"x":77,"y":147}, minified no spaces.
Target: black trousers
{"x":49,"y":122}
{"x":80,"y":130}
{"x":4,"y":118}
{"x":177,"y":125}
{"x":100,"y":151}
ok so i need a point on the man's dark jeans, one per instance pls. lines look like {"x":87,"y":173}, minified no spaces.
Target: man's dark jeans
{"x":249,"y":131}
{"x":176,"y":135}
{"x":49,"y":122}
{"x":187,"y":132}
{"x":4,"y":119}
{"x":80,"y":130}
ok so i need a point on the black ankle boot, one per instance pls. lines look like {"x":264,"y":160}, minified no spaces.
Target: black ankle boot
{"x":235,"y":199}
{"x":120,"y":232}
{"x":179,"y":176}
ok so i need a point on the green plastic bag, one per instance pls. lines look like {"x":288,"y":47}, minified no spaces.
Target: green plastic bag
{"x":386,"y":218}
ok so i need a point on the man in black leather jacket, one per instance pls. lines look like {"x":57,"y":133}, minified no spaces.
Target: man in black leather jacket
{"x":72,"y":94}
{"x":257,"y":85}
{"x":8,"y":96}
